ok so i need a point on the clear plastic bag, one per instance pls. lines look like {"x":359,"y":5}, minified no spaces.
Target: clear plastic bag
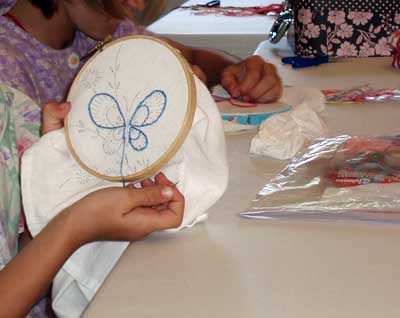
{"x":343,"y":178}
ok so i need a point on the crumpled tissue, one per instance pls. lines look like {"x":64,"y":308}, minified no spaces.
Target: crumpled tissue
{"x":281,"y":136}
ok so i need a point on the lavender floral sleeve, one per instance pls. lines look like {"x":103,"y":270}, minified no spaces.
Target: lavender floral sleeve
{"x":19,"y":128}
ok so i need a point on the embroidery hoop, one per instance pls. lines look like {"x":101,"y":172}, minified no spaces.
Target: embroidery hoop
{"x":188,"y":106}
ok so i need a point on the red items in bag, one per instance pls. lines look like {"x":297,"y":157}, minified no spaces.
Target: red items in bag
{"x":367,"y":162}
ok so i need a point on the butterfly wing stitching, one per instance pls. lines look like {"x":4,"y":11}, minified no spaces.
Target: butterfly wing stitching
{"x":147,"y":113}
{"x":102,"y":112}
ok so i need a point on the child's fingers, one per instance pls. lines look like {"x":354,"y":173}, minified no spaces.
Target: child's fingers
{"x":147,"y":183}
{"x":229,"y":80}
{"x":250,"y":78}
{"x":161,"y":179}
{"x":134,"y":186}
{"x":172,"y":216}
{"x":152,"y":219}
{"x":147,"y":218}
{"x":149,"y":196}
{"x":273,"y":94}
{"x":266,"y":84}
{"x":53,"y":115}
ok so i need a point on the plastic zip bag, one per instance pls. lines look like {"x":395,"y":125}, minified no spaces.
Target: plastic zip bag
{"x":343,"y":178}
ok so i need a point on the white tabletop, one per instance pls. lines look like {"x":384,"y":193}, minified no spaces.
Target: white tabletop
{"x":341,"y":73}
{"x":229,"y":267}
{"x":236,"y":35}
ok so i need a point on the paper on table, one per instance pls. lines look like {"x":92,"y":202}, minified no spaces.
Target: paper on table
{"x":246,"y":3}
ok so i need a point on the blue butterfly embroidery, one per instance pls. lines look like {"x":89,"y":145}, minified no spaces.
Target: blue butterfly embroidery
{"x":106,"y":113}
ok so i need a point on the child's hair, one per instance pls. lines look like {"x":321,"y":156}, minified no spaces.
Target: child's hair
{"x":153,"y":10}
{"x":112,"y":7}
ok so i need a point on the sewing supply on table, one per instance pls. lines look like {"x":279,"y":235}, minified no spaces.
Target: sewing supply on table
{"x":364,"y":161}
{"x":213,"y":3}
{"x":367,"y":168}
{"x":119,"y":127}
{"x":301,"y":62}
{"x":341,"y":178}
{"x":360,"y":94}
{"x":236,"y":111}
{"x":252,"y":116}
{"x":212,"y":7}
{"x":238,"y":102}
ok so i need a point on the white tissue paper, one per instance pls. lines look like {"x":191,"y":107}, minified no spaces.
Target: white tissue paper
{"x":281,"y":136}
{"x":52,"y":180}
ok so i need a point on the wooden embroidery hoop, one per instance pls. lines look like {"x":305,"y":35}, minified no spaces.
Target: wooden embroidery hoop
{"x":154,"y":167}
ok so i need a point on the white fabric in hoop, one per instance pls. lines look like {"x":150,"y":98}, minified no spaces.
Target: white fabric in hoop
{"x":122,"y":100}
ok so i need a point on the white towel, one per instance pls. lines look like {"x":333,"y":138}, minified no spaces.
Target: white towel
{"x":282,"y":135}
{"x":52,"y":180}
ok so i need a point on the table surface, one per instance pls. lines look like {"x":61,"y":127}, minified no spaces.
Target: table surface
{"x":181,"y":21}
{"x":237,"y":35}
{"x":234,"y":267}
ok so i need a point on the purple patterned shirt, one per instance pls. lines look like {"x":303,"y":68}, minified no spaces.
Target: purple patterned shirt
{"x":39,"y":71}
{"x":44,"y":74}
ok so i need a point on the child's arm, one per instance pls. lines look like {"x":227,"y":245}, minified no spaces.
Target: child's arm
{"x":252,"y":78}
{"x":108,"y":214}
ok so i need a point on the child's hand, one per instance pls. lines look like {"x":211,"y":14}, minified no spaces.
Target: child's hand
{"x":53,"y":115}
{"x":128,"y":213}
{"x":199,"y":73}
{"x":252,"y":79}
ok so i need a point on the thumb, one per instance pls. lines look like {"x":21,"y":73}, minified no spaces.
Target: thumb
{"x":149,"y":196}
{"x":53,"y":115}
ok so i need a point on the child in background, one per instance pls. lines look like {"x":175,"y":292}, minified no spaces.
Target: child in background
{"x":42,"y":43}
